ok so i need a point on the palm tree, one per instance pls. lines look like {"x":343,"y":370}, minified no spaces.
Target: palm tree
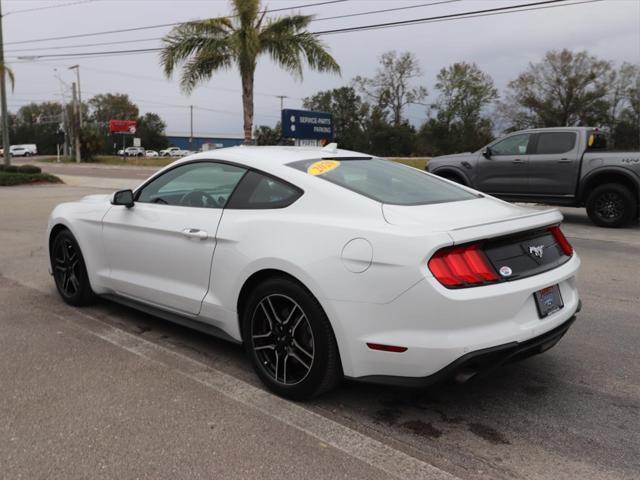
{"x":207,"y":46}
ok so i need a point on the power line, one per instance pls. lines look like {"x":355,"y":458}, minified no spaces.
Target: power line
{"x":497,"y":10}
{"x":163,"y":25}
{"x":119,"y":42}
{"x":47,"y":7}
{"x":396,"y":9}
{"x":401,"y":23}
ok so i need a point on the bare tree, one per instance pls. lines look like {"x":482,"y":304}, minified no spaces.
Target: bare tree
{"x":565,"y":88}
{"x":390,"y":88}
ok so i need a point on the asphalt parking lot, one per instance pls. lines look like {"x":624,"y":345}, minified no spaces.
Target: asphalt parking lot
{"x":107,"y":391}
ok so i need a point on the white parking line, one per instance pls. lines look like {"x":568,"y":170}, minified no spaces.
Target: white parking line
{"x":393,"y":462}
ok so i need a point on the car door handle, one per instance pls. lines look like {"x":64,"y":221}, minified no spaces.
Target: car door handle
{"x":195,"y":233}
{"x":565,"y":160}
{"x":517,"y":160}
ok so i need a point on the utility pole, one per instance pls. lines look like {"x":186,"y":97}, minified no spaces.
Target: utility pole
{"x":3,"y":100}
{"x":65,"y":119}
{"x":77,"y":69}
{"x":76,"y":123}
{"x":191,"y":127}
{"x":281,"y":97}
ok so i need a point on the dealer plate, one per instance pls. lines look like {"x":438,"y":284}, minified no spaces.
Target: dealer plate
{"x":548,"y":300}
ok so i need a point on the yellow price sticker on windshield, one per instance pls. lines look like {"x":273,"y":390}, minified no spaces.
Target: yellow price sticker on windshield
{"x":323,"y":166}
{"x":591,"y":140}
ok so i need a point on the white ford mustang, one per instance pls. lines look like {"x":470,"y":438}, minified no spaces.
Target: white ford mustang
{"x":325,"y":263}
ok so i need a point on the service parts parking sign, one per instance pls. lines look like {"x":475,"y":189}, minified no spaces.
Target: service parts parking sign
{"x":306,"y":124}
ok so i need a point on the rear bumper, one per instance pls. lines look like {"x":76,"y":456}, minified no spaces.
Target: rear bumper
{"x":438,"y":326}
{"x":479,"y":363}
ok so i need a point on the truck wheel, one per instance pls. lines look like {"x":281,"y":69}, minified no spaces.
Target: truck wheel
{"x":611,"y":205}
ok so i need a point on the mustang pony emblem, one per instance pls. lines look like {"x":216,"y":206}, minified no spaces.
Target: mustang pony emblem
{"x":537,"y":250}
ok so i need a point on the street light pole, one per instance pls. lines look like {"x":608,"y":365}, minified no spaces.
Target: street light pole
{"x":77,"y":69}
{"x":3,"y":100}
{"x":76,"y":123}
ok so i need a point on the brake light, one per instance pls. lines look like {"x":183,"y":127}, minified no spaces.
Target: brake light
{"x":562,"y":240}
{"x":462,"y":266}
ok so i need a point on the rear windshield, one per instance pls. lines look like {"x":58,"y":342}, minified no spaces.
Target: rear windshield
{"x":384,"y":181}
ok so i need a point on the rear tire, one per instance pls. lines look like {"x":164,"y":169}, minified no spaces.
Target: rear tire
{"x":611,"y":205}
{"x":289,"y":340}
{"x":69,"y":270}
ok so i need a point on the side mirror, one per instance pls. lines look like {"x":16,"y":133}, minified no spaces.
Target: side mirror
{"x":123,"y":197}
{"x":486,"y":153}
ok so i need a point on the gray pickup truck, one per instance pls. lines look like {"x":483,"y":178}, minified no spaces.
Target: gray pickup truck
{"x":556,"y":166}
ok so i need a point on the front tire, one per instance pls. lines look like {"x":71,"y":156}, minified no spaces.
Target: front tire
{"x":289,"y":340}
{"x":69,"y":270}
{"x":611,"y":205}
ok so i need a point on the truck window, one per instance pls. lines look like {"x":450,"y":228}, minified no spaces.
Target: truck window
{"x":513,"y":145}
{"x":555,"y":142}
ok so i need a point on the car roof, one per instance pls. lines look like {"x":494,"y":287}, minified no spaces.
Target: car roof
{"x":268,"y":156}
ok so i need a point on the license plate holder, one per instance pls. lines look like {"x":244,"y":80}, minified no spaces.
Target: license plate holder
{"x":548,"y":300}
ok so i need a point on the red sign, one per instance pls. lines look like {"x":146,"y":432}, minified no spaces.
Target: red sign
{"x":122,"y":126}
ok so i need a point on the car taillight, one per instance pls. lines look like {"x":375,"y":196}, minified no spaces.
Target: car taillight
{"x":562,"y":240}
{"x":462,"y":266}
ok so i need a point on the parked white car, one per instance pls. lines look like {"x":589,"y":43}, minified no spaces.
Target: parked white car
{"x":324,"y":263}
{"x":151,"y":153}
{"x":25,"y":150}
{"x":135,"y":152}
{"x":169,"y":152}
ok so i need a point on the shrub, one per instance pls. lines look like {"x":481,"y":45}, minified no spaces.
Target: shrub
{"x":9,"y":179}
{"x":11,"y":169}
{"x":29,"y":169}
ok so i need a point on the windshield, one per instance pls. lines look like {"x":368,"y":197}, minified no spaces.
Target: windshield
{"x":384,"y":181}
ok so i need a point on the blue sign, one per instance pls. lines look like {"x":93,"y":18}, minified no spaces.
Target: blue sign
{"x":305,"y":124}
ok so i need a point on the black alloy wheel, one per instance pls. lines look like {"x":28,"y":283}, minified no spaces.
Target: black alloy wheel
{"x":282,"y":339}
{"x":611,"y":205}
{"x":289,"y":340}
{"x":69,"y":270}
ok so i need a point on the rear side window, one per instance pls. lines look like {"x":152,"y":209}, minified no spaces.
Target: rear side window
{"x":555,"y":142}
{"x":259,"y":191}
{"x":384,"y":181}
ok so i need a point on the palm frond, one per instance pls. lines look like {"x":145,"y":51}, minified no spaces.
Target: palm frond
{"x":246,"y":11}
{"x":191,"y":38}
{"x":5,"y":70}
{"x":202,"y":67}
{"x":289,"y":44}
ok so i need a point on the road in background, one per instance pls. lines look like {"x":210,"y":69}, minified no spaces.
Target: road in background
{"x":573,"y":412}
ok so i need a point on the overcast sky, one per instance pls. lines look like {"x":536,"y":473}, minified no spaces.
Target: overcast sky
{"x":501,"y":45}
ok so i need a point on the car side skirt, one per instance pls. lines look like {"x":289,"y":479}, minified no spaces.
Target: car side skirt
{"x":173,"y":318}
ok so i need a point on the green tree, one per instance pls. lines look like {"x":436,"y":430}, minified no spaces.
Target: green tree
{"x":390,"y":89}
{"x":388,"y":140}
{"x":38,"y":123}
{"x":208,"y":46}
{"x":111,"y":106}
{"x":151,"y":130}
{"x":624,"y":108}
{"x":459,"y":124}
{"x":565,"y":88}
{"x":350,"y":115}
{"x":105,"y":107}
